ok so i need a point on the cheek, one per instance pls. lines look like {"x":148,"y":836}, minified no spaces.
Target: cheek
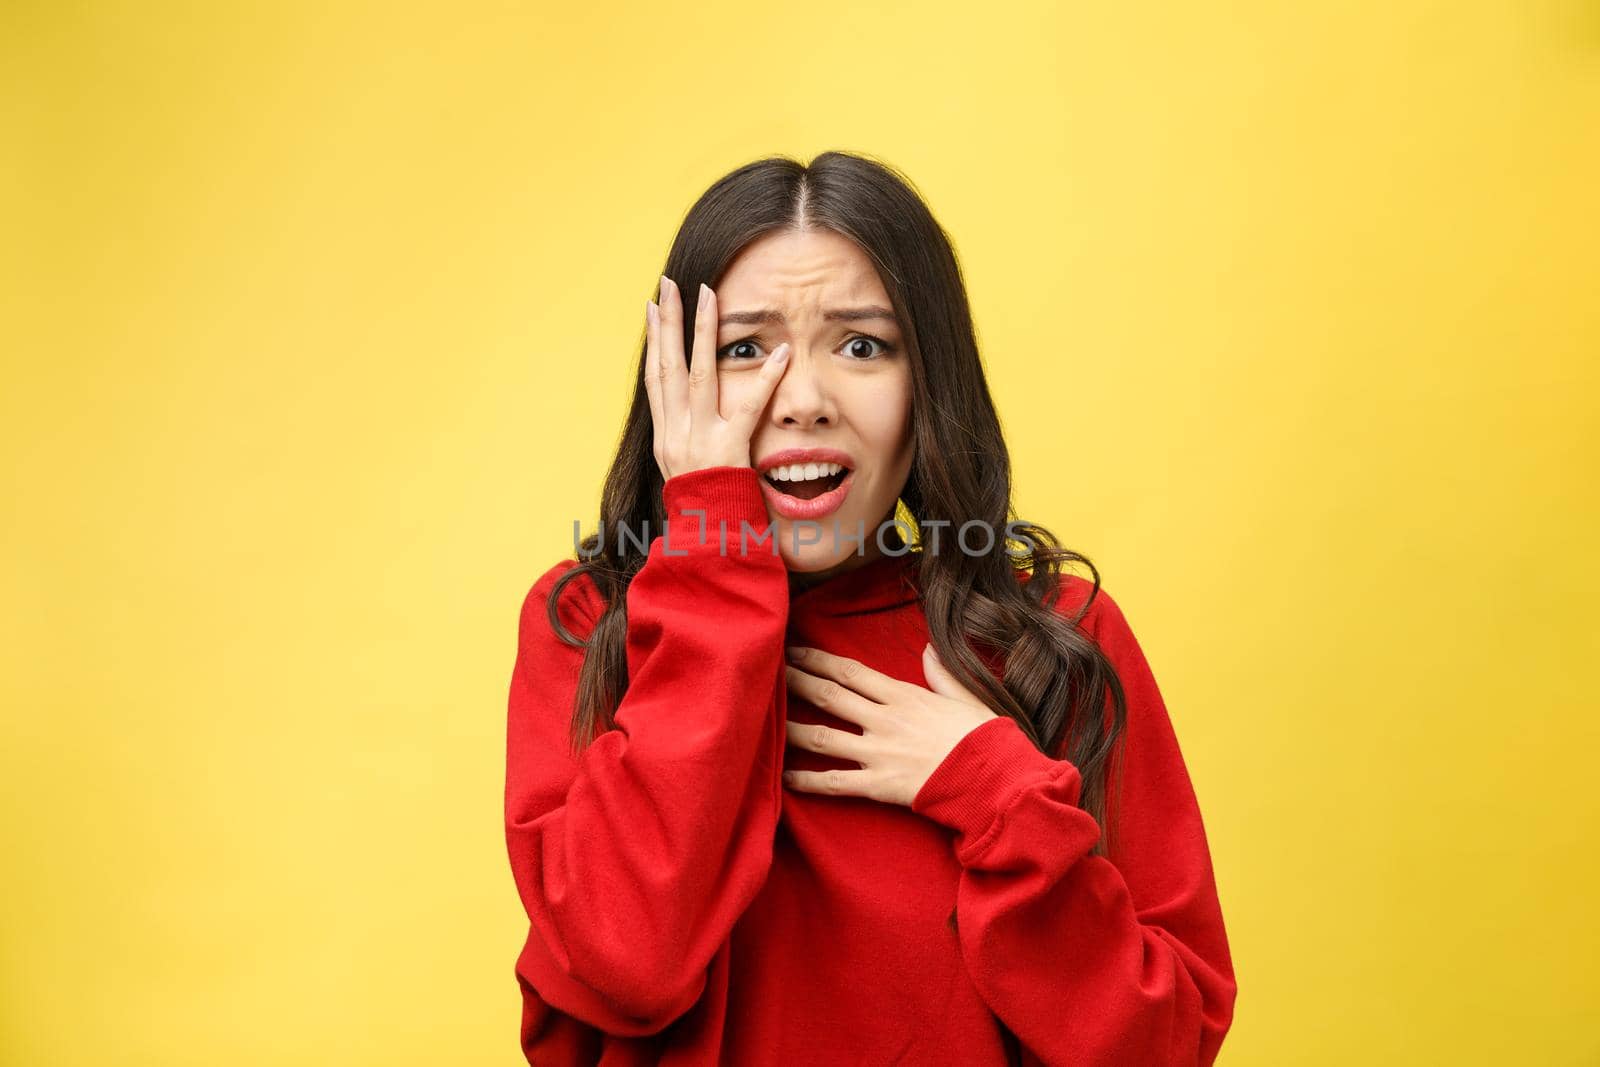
{"x":883,"y":418}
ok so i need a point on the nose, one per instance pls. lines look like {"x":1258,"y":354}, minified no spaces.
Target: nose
{"x":804,"y":395}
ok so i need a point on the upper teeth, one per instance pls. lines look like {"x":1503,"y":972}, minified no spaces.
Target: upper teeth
{"x":804,"y":472}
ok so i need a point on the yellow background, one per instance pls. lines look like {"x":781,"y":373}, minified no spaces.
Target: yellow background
{"x":318,"y":322}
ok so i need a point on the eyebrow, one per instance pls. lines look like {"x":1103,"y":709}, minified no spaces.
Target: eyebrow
{"x":772,"y":315}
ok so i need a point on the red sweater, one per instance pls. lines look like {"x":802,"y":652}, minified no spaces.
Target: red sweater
{"x":686,"y":908}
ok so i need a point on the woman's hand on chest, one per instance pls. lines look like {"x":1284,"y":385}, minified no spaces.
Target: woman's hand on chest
{"x":908,"y":730}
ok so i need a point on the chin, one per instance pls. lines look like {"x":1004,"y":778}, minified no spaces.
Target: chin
{"x":818,"y":557}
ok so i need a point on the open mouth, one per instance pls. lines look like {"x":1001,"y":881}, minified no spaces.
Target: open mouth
{"x":809,"y":488}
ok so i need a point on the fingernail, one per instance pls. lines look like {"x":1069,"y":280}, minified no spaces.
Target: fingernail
{"x":651,"y":311}
{"x":704,"y":294}
{"x":794,"y":651}
{"x":780,"y":353}
{"x":661,"y":293}
{"x":930,"y":650}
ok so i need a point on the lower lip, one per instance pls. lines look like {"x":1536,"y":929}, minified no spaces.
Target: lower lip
{"x":791,"y":507}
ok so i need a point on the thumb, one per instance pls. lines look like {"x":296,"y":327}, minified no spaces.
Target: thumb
{"x":940,"y":680}
{"x":944,"y":683}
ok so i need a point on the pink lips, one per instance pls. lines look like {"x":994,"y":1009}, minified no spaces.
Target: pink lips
{"x":792,"y":507}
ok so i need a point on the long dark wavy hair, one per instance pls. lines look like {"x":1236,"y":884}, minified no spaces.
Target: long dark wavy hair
{"x":1056,"y":681}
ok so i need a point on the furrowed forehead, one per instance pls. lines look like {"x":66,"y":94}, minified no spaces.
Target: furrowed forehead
{"x":818,"y":271}
{"x":772,"y":316}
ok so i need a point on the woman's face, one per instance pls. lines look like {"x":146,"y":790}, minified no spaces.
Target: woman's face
{"x":847,"y":390}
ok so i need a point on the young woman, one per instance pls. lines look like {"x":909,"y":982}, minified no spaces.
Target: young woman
{"x":786,"y":786}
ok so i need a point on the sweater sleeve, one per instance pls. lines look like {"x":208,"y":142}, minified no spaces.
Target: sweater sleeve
{"x":635,"y":858}
{"x":1088,"y":960}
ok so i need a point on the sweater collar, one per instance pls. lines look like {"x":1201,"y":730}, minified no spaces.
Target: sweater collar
{"x":877,"y":585}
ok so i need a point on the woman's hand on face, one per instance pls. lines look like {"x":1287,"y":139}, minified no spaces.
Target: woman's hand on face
{"x":909,"y":730}
{"x":690,"y":432}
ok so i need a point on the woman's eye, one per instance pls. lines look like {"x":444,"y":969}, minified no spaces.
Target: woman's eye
{"x":860,"y":347}
{"x":741,"y":350}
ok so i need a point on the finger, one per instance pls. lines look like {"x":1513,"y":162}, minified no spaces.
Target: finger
{"x":832,"y":697}
{"x":751,"y":407}
{"x":652,"y":370}
{"x":815,"y":737}
{"x":703,"y":361}
{"x":674,"y":375}
{"x":834,"y":782}
{"x":850,"y":673}
{"x":940,"y":678}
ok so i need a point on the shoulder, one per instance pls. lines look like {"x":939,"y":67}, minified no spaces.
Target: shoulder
{"x":580,"y":603}
{"x":1104,"y":618}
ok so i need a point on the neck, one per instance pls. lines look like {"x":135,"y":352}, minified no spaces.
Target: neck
{"x":802,"y":580}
